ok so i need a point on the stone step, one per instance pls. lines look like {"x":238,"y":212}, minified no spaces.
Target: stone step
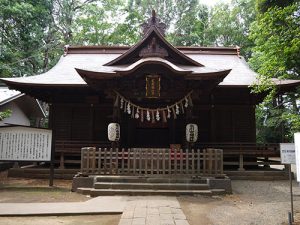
{"x":259,"y":178}
{"x":105,"y":192}
{"x":218,"y":191}
{"x":258,"y":175}
{"x":153,"y":186}
{"x":147,"y":179}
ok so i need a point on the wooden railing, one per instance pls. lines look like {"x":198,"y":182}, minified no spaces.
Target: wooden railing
{"x":236,"y":153}
{"x":266,"y":149}
{"x":151,"y":161}
{"x":67,"y":149}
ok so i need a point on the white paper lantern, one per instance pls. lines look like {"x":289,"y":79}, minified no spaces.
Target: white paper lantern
{"x":113,"y":132}
{"x":191,"y":132}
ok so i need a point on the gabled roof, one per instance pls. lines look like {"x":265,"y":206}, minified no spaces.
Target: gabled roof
{"x":7,"y":96}
{"x":110,"y":72}
{"x":151,"y":38}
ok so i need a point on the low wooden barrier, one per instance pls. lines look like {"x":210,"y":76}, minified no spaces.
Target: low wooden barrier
{"x":67,"y":151}
{"x":235,"y":154}
{"x":246,"y":154}
{"x":152,"y":161}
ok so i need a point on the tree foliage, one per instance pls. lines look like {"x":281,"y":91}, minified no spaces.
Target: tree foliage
{"x":263,"y":5}
{"x":5,"y":114}
{"x":229,"y":25}
{"x":276,"y":55}
{"x":190,"y":24}
{"x":23,"y":25}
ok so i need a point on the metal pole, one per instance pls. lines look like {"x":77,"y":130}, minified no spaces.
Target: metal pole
{"x":290,"y":218}
{"x":291,"y":192}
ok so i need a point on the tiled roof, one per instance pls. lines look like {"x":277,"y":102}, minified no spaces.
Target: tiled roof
{"x":7,"y":95}
{"x":213,"y":59}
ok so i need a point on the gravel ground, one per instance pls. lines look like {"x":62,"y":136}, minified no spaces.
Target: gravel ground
{"x":252,"y":203}
{"x":37,"y":190}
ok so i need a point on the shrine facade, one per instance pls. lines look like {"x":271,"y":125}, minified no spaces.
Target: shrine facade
{"x":152,"y":89}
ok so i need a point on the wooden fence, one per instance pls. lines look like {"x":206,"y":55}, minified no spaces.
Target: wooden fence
{"x":152,"y":161}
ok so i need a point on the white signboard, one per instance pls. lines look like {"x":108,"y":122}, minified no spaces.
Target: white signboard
{"x":287,"y":153}
{"x":297,"y":147}
{"x":25,"y":144}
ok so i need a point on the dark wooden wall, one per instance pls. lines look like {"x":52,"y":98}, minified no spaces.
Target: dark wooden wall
{"x":81,"y":122}
{"x":227,"y":115}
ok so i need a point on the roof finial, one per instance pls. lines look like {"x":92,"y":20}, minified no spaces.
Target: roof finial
{"x":153,"y":15}
{"x":154,"y":21}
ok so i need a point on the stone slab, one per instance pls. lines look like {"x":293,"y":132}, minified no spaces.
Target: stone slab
{"x":99,"y":205}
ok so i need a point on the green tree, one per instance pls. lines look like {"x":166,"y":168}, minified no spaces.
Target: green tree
{"x":22,"y":28}
{"x":229,"y":25}
{"x":5,"y":114}
{"x":263,"y":5}
{"x":276,"y":55}
{"x":96,"y":23}
{"x":190,"y":23}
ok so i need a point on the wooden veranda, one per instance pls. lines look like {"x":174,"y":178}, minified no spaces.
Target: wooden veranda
{"x":235,"y":154}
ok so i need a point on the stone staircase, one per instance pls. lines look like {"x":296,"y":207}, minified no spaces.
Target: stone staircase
{"x":132,"y":185}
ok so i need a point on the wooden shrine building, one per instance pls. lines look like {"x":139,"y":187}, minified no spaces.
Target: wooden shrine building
{"x":152,"y":89}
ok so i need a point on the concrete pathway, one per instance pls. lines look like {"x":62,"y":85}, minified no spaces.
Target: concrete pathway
{"x":146,"y":210}
{"x":153,"y":210}
{"x":99,"y":205}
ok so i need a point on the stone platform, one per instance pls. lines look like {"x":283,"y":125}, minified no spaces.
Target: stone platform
{"x":143,"y":185}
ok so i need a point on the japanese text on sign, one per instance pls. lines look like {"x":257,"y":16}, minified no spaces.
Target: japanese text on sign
{"x":25,"y":144}
{"x":287,"y":153}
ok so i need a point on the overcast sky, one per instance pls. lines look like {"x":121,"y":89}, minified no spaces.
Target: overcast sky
{"x":213,"y":2}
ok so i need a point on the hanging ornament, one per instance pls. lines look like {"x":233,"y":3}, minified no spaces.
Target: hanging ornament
{"x":157,"y":116}
{"x":125,"y":107}
{"x":153,"y":117}
{"x":174,"y":113}
{"x":142,"y":115}
{"x":116,"y":104}
{"x":132,"y":113}
{"x":186,"y":104}
{"x":169,"y":112}
{"x":121,"y":103}
{"x":148,"y":116}
{"x":137,"y":113}
{"x":164,"y":118}
{"x":190,"y":100}
{"x":182,"y":108}
{"x":177,"y":109}
{"x":128,"y":108}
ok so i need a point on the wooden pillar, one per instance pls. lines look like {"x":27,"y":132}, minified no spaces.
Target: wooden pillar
{"x":212,"y":119}
{"x":241,"y":163}
{"x":91,"y":124}
{"x":188,"y":119}
{"x":116,"y":119}
{"x":52,"y":127}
